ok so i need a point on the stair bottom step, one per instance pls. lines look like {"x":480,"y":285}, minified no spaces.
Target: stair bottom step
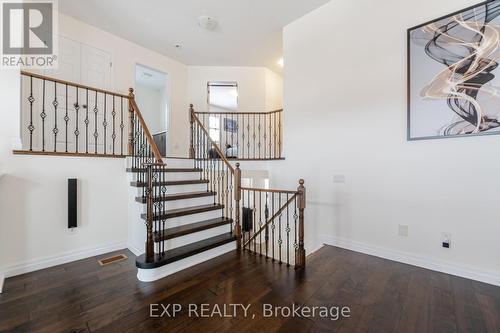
{"x":185,"y":251}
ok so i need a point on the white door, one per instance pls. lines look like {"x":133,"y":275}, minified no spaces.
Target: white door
{"x":96,"y":72}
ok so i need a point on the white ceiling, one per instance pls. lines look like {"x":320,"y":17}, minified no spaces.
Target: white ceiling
{"x":249,"y":32}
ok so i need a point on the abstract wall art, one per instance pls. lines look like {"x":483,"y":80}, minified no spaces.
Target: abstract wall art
{"x":454,"y":74}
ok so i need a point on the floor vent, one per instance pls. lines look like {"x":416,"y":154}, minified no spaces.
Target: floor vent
{"x":110,"y":260}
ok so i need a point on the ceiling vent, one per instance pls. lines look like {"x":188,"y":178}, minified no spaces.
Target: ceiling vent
{"x":207,"y":22}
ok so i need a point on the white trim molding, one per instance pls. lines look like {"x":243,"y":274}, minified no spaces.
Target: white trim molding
{"x":150,"y":275}
{"x":134,"y":250}
{"x":2,"y":279}
{"x":414,"y":260}
{"x":63,"y":258}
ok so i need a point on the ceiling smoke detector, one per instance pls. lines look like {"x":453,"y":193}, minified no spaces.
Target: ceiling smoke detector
{"x":207,"y":22}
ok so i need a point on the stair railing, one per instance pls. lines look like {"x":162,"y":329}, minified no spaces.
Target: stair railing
{"x":273,"y":223}
{"x":70,"y":119}
{"x":272,"y":208}
{"x":221,"y":177}
{"x":149,"y":168}
{"x":247,"y":135}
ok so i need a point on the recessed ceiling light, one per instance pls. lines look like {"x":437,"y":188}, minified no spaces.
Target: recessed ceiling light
{"x":281,"y":62}
{"x":207,"y":22}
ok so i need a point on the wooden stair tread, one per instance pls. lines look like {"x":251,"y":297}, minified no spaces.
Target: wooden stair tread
{"x":187,"y":229}
{"x":185,"y":211}
{"x":178,"y":196}
{"x":185,"y":251}
{"x":171,"y":183}
{"x":166,"y":170}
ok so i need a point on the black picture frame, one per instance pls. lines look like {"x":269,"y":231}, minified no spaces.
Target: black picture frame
{"x":408,"y":97}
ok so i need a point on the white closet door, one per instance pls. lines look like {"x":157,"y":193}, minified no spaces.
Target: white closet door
{"x":96,"y":72}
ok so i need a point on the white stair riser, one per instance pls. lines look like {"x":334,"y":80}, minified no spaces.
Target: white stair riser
{"x":149,"y":275}
{"x":192,"y":238}
{"x":193,"y":218}
{"x":185,"y":203}
{"x":175,"y":204}
{"x":179,"y":189}
{"x":169,"y":176}
{"x":179,"y":163}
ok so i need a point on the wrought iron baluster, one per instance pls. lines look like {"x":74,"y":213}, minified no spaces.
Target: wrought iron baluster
{"x":55,"y":130}
{"x":43,"y":115}
{"x":266,"y":218}
{"x":280,"y":240}
{"x":86,"y":107}
{"x":260,"y":223}
{"x":272,"y":225}
{"x":31,"y":100}
{"x":66,"y":120}
{"x":279,"y":132}
{"x":295,"y":218}
{"x":270,"y":135}
{"x":113,"y":113}
{"x":77,"y":132}
{"x":237,"y":135}
{"x":122,"y":126}
{"x":253,"y":223}
{"x":265,"y":135}
{"x":104,"y":123}
{"x":254,"y":137}
{"x":260,"y":134}
{"x":96,"y":134}
{"x":287,"y":232}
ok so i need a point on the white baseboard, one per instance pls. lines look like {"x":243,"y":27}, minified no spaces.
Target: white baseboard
{"x":414,"y":260}
{"x":150,"y":275}
{"x":2,"y":278}
{"x":134,"y":250}
{"x":313,"y":248}
{"x":63,"y":258}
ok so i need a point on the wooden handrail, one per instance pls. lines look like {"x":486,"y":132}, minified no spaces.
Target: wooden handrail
{"x":292,"y":198}
{"x":69,"y":83}
{"x":149,"y":137}
{"x":269,"y":190}
{"x":216,"y":147}
{"x":236,"y":113}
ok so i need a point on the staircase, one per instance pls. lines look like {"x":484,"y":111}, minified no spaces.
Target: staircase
{"x":195,"y":208}
{"x":192,"y":223}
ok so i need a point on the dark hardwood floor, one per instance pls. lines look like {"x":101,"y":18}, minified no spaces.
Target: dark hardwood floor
{"x":383,"y":296}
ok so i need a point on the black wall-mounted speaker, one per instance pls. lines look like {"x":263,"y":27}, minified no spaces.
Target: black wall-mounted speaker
{"x":72,"y":202}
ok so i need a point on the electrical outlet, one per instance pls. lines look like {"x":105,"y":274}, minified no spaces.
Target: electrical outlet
{"x":403,"y":230}
{"x":446,"y":240}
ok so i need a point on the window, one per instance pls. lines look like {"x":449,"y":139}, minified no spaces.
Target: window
{"x":223,"y":95}
{"x":214,"y":128}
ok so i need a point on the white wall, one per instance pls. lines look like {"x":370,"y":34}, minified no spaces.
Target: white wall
{"x":258,"y":87}
{"x":274,"y":90}
{"x":345,"y":102}
{"x":150,"y":102}
{"x":33,"y":192}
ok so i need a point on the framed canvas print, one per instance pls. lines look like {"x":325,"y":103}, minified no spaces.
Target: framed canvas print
{"x":454,"y":74}
{"x":230,"y":125}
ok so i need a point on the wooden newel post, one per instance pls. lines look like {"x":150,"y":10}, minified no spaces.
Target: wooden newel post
{"x":300,"y":254}
{"x":191,"y":135}
{"x":131,"y":97}
{"x":237,"y":199}
{"x":150,"y":254}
